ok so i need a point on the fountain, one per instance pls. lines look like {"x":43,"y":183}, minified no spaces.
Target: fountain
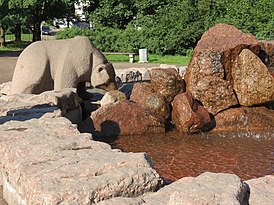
{"x":218,"y":117}
{"x":227,"y":102}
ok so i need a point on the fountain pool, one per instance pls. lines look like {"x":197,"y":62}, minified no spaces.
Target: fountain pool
{"x":175,"y":155}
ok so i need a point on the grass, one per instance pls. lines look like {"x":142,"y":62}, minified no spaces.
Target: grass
{"x":12,"y":48}
{"x":152,"y":58}
{"x":24,"y":37}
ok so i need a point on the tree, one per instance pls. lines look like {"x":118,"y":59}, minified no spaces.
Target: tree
{"x":252,"y":16}
{"x":34,"y":12}
{"x":113,"y":13}
{"x":3,"y":13}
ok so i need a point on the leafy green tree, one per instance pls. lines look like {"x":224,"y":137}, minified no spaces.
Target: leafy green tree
{"x":174,"y":27}
{"x":34,"y":12}
{"x":113,"y":13}
{"x":252,"y":16}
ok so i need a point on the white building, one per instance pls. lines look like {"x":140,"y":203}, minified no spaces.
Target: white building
{"x":79,"y":10}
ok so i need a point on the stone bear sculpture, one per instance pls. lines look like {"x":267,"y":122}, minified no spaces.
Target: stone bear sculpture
{"x":59,"y":64}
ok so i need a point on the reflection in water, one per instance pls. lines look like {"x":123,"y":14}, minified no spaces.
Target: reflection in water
{"x":176,"y":155}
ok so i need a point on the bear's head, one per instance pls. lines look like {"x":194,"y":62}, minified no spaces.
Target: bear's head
{"x":103,"y":77}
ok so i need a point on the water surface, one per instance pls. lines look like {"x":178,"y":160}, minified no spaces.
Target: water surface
{"x":175,"y":155}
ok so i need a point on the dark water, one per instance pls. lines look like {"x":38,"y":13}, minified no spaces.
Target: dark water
{"x":176,"y":155}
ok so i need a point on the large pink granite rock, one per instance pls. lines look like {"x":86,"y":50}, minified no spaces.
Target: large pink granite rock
{"x":252,"y":82}
{"x":126,"y":118}
{"x":208,"y":76}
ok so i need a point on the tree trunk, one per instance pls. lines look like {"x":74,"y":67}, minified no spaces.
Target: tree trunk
{"x":36,"y":31}
{"x":68,"y":21}
{"x":2,"y":37}
{"x":17,"y":32}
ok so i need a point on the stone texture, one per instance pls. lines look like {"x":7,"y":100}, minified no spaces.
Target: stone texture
{"x":51,"y":103}
{"x":267,"y":53}
{"x":167,"y":82}
{"x":144,"y":95}
{"x":208,"y":188}
{"x":60,"y":64}
{"x":112,"y":96}
{"x":5,"y":88}
{"x":252,"y":81}
{"x":126,"y":118}
{"x":47,"y":161}
{"x":245,"y":119}
{"x":261,"y":190}
{"x":208,"y":76}
{"x":140,"y":91}
{"x":133,"y":74}
{"x":2,"y":201}
{"x":188,"y":115}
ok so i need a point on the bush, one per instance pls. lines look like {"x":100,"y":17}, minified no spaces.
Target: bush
{"x":157,"y":41}
{"x":72,"y":32}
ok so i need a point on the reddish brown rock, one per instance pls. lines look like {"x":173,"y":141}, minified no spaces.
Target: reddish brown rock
{"x":267,"y":53}
{"x":188,"y":115}
{"x":208,"y":76}
{"x":144,"y":95}
{"x":252,"y":81}
{"x":245,"y":119}
{"x":140,"y":91}
{"x":167,"y":82}
{"x":158,"y":104}
{"x":126,"y":118}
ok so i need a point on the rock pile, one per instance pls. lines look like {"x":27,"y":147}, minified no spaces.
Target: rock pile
{"x":209,"y":75}
{"x":225,"y":77}
{"x":45,"y":160}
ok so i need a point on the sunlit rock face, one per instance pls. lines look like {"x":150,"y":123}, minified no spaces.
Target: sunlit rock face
{"x":245,"y":119}
{"x":252,"y":81}
{"x":126,"y":118}
{"x":144,"y":95}
{"x":112,"y":96}
{"x":208,"y":76}
{"x":261,"y":190}
{"x":167,"y":82}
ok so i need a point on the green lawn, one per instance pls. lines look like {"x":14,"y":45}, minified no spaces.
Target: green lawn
{"x":24,"y":37}
{"x":152,"y":58}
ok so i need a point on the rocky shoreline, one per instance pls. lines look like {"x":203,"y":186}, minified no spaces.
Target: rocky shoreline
{"x":46,"y":160}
